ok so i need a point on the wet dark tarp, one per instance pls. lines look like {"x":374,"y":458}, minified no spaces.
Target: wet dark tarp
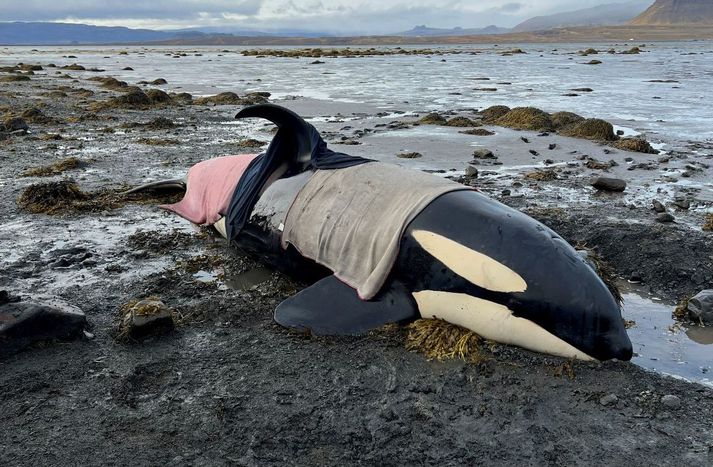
{"x":301,"y":147}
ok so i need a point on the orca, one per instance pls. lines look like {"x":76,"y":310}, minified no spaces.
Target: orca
{"x":465,"y":259}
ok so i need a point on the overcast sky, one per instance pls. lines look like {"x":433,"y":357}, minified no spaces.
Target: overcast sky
{"x":336,"y":16}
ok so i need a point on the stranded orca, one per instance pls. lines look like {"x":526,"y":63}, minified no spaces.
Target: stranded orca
{"x":463,"y":258}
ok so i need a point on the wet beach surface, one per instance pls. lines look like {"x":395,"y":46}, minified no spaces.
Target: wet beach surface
{"x":230,"y":387}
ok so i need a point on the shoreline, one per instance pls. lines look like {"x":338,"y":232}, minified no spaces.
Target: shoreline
{"x":229,"y":386}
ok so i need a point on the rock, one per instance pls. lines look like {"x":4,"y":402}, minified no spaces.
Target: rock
{"x":25,"y":323}
{"x":483,"y":154}
{"x":593,"y":62}
{"x":552,"y":146}
{"x":563,"y":119}
{"x":665,"y":218}
{"x":671,"y":401}
{"x":658,"y":206}
{"x":471,"y":172}
{"x":609,"y":184}
{"x":158,"y":96}
{"x":460,"y":122}
{"x":159,"y":81}
{"x":608,"y":400}
{"x":700,"y":307}
{"x":146,"y":316}
{"x":682,"y":203}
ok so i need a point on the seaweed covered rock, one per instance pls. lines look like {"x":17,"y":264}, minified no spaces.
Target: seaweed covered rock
{"x":708,"y":223}
{"x":493,"y":113}
{"x":55,"y":169}
{"x":35,"y":115}
{"x":110,"y":83}
{"x":635,"y":145}
{"x":590,"y":128}
{"x":526,"y":118}
{"x":144,"y":317}
{"x":433,"y":119}
{"x":158,"y":96}
{"x":563,"y":119}
{"x":13,"y":78}
{"x":230,"y":98}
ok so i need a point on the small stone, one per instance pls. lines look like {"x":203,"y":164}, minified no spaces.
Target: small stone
{"x":146,"y":316}
{"x":552,"y":146}
{"x":658,"y":206}
{"x":609,"y":184}
{"x":608,"y":400}
{"x":682,"y":203}
{"x":665,"y":218}
{"x":524,"y":140}
{"x":506,"y":192}
{"x":534,"y":153}
{"x":671,"y":401}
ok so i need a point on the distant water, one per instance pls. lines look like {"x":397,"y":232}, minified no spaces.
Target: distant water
{"x":623,"y":92}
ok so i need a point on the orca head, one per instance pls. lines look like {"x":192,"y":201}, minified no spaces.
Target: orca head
{"x":513,"y":280}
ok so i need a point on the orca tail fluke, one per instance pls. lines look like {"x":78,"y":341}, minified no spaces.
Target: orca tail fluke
{"x":177,"y":184}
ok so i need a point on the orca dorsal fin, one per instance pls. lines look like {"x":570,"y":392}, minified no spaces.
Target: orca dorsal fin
{"x":305,"y":137}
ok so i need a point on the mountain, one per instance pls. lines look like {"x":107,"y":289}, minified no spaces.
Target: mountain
{"x":421,"y":31}
{"x":670,"y":12}
{"x":611,"y":14}
{"x":19,"y":33}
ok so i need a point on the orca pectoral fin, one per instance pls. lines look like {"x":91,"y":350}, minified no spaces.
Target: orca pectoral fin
{"x":332,"y":308}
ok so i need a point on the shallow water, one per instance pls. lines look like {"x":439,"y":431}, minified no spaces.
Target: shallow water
{"x":623,"y":87}
{"x":662,"y":345}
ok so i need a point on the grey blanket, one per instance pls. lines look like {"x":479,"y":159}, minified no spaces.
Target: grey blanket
{"x":351,"y":220}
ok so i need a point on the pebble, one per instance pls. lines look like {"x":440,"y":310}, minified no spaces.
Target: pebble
{"x":671,"y":402}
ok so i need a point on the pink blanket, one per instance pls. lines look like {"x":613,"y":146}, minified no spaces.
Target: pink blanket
{"x":209,"y":188}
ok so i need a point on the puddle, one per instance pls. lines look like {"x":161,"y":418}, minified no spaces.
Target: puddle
{"x":662,"y":345}
{"x":248,"y":279}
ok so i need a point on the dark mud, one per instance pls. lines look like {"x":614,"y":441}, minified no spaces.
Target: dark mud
{"x":229,"y":387}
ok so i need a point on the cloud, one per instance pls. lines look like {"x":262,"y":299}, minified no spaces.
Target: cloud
{"x":333,"y":16}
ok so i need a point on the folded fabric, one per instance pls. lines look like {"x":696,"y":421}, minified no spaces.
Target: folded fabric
{"x":210,"y":187}
{"x":351,"y":220}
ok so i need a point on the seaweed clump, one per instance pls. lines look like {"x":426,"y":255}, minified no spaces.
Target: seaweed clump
{"x":590,"y":128}
{"x":52,"y":197}
{"x":478,"y":132}
{"x":439,"y":340}
{"x":65,"y":196}
{"x":55,"y":169}
{"x":526,"y":118}
{"x":542,"y":175}
{"x":460,"y":122}
{"x":605,"y":272}
{"x":635,"y":145}
{"x":708,"y":223}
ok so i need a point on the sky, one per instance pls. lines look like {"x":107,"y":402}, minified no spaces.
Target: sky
{"x":332,"y":16}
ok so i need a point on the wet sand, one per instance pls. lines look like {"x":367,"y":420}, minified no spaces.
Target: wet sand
{"x":230,"y":387}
